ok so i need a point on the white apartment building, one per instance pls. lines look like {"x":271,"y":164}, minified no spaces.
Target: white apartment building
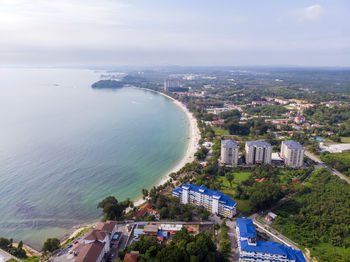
{"x":229,"y":152}
{"x":171,"y":83}
{"x":258,"y":152}
{"x":252,"y":250}
{"x":214,"y":201}
{"x":292,"y":153}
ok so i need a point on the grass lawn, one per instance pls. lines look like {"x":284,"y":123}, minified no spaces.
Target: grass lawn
{"x":244,"y":206}
{"x":345,"y":139}
{"x":220,"y":131}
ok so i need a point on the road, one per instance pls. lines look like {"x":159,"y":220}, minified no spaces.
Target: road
{"x":6,"y":256}
{"x":334,"y":172}
{"x":231,"y":235}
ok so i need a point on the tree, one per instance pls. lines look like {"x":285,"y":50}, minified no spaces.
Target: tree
{"x":112,"y":209}
{"x":230,"y":177}
{"x":144,"y":193}
{"x":51,"y":244}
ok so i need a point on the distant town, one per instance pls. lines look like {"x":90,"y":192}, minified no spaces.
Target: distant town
{"x":270,"y":179}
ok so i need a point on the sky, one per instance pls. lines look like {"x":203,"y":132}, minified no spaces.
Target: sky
{"x":181,"y":32}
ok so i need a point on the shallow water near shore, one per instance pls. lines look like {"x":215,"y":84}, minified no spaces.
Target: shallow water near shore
{"x":64,"y":147}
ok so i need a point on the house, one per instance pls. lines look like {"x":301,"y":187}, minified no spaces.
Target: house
{"x":151,"y":230}
{"x":250,"y":249}
{"x":133,"y":256}
{"x":146,"y":209}
{"x":271,"y":217}
{"x":97,"y":242}
{"x":92,"y":252}
{"x":218,"y":123}
{"x":110,"y":227}
{"x":299,"y":119}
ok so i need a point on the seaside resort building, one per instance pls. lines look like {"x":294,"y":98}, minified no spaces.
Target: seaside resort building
{"x":258,"y":152}
{"x":292,"y":153}
{"x":250,"y":249}
{"x":229,"y":152}
{"x":214,"y":201}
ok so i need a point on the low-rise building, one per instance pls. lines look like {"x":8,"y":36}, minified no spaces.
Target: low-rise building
{"x":214,"y":201}
{"x":292,"y":153}
{"x":91,"y":252}
{"x":250,"y":249}
{"x":258,"y":152}
{"x":229,"y":152}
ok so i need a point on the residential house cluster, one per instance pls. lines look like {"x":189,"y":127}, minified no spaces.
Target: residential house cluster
{"x":97,"y":242}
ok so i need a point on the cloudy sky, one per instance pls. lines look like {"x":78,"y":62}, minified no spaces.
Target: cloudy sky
{"x":169,"y":32}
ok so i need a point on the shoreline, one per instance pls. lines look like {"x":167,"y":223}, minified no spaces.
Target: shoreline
{"x":193,"y":135}
{"x":188,"y":156}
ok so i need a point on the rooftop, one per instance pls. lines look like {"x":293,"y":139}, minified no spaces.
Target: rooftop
{"x":203,"y":190}
{"x":229,"y":144}
{"x":247,"y":230}
{"x":106,"y":226}
{"x":258,"y":143}
{"x":90,"y":252}
{"x":291,"y":144}
{"x":95,"y":234}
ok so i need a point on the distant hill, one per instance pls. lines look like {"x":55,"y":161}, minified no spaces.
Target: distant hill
{"x":112,"y":84}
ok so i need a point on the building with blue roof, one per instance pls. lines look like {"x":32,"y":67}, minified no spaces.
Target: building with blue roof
{"x":250,"y":249}
{"x":214,"y":201}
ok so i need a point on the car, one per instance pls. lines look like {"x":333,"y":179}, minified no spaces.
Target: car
{"x":59,"y":253}
{"x":76,"y":242}
{"x":70,"y":245}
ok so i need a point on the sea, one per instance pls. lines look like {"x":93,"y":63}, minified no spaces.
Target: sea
{"x":65,"y":146}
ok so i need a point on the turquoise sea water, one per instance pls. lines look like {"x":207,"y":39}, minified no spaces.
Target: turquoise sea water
{"x":64,"y":147}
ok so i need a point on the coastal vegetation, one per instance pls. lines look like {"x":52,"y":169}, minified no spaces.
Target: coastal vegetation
{"x":318,"y":217}
{"x":7,"y":245}
{"x":183,"y":247}
{"x":50,"y":245}
{"x":111,"y":84}
{"x":112,"y":209}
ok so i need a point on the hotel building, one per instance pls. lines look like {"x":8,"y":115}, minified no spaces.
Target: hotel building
{"x":292,"y":153}
{"x":258,"y":152}
{"x":250,"y":249}
{"x":214,"y":201}
{"x":229,"y":152}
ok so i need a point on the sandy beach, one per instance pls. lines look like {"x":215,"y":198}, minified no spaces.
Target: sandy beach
{"x":194,"y":137}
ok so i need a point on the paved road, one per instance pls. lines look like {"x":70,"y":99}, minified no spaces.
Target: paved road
{"x":335,"y":172}
{"x":6,"y":256}
{"x":231,"y":235}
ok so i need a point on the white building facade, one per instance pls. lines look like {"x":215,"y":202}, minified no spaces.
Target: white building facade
{"x":229,"y":152}
{"x":214,"y":201}
{"x":258,"y":152}
{"x":252,"y":250}
{"x":292,"y":153}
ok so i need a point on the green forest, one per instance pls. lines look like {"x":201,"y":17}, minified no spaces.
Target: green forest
{"x":318,"y":218}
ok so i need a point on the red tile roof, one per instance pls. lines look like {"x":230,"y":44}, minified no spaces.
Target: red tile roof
{"x":131,"y":257}
{"x":106,"y":226}
{"x":90,"y":252}
{"x":95,"y":234}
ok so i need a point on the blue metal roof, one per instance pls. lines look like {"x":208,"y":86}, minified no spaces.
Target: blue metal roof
{"x":203,"y":190}
{"x":247,"y":230}
{"x":292,"y":144}
{"x":246,"y":227}
{"x":229,"y":144}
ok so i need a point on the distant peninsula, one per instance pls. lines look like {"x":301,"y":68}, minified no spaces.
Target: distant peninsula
{"x":111,"y":84}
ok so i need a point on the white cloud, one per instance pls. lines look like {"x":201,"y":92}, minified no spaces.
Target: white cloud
{"x":310,"y":13}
